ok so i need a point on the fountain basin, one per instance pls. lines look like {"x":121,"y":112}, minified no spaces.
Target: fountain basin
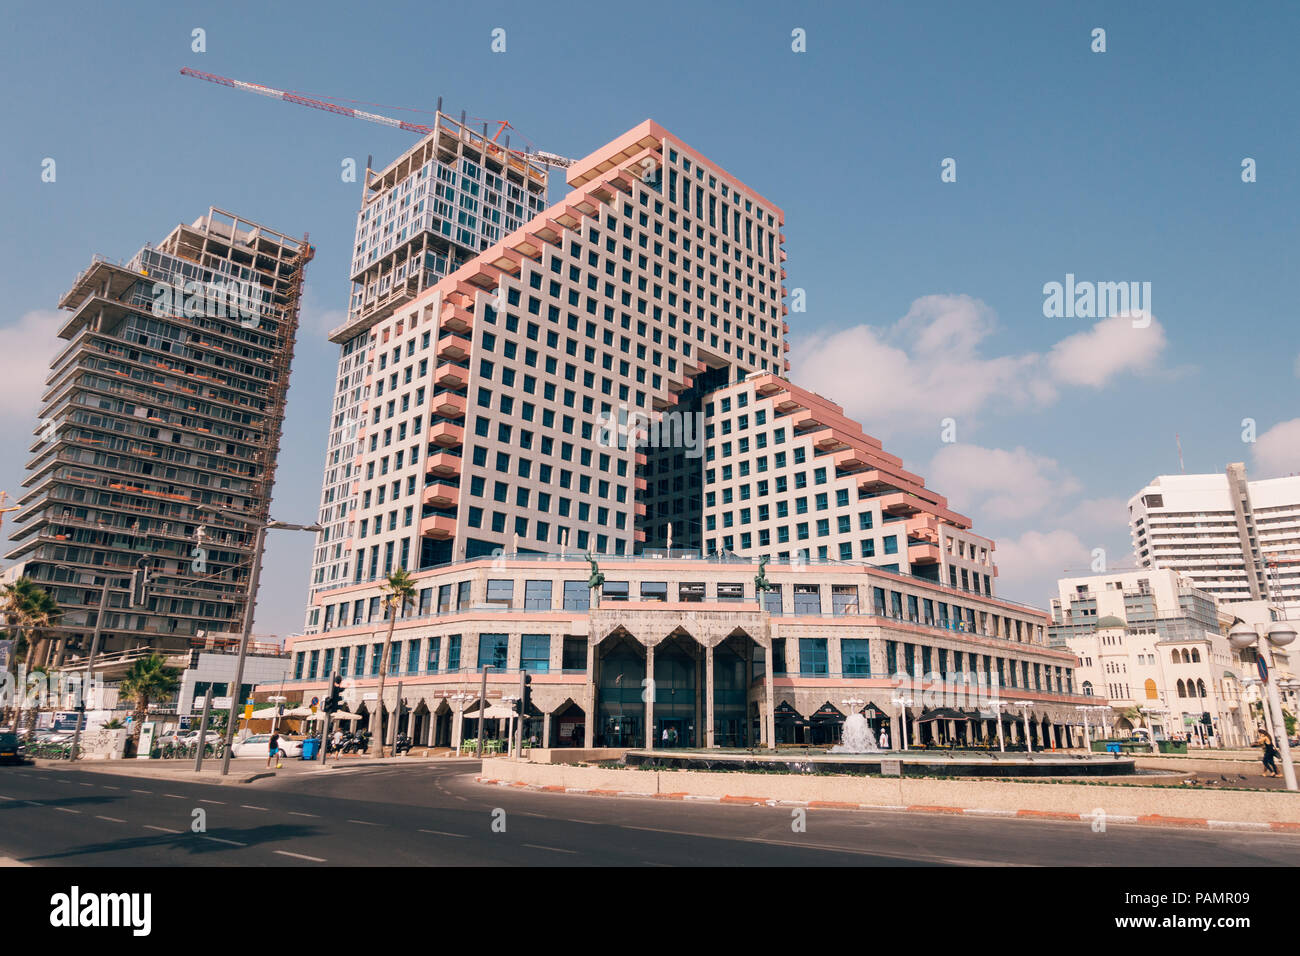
{"x":908,"y":763}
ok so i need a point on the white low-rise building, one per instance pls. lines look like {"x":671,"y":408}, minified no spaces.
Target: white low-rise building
{"x":1156,"y":650}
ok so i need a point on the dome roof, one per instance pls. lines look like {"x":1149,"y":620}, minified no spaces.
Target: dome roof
{"x":1110,"y":620}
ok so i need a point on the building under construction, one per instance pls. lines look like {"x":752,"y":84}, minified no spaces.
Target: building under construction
{"x":167,"y":400}
{"x":426,"y":214}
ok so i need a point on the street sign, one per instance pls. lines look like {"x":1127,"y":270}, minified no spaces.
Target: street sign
{"x":221,"y":703}
{"x":1263,"y":668}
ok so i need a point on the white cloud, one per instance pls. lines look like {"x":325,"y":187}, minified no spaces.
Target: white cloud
{"x":26,"y":348}
{"x":998,"y":483}
{"x":1030,"y":565}
{"x":1110,"y":347}
{"x":928,"y":365}
{"x":1277,"y":451}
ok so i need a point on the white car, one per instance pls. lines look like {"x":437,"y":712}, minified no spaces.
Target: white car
{"x":259,"y":745}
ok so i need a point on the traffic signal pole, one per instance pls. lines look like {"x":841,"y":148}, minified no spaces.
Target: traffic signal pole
{"x":237,"y":691}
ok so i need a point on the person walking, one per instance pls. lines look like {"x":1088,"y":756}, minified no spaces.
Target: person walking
{"x":273,"y":750}
{"x":884,"y":738}
{"x":1269,"y":756}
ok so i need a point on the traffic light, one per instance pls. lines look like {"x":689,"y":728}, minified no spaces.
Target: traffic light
{"x":140,"y":583}
{"x":1206,"y":719}
{"x":527,"y":700}
{"x":334,"y":700}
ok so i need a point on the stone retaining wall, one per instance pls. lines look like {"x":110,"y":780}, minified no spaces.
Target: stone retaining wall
{"x":1157,"y":804}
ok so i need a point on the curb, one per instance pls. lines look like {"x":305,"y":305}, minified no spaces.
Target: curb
{"x":1152,"y":819}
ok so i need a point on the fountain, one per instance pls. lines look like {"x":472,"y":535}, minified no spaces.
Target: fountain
{"x":858,"y":737}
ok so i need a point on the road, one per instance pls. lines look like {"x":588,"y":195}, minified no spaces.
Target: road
{"x":435,"y":814}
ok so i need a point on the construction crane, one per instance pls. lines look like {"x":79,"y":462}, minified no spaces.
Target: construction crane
{"x":547,"y":159}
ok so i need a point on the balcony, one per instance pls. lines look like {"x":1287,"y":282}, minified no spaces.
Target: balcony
{"x":922,"y":553}
{"x":456,"y":318}
{"x":443,"y":464}
{"x":923,"y":527}
{"x":447,"y":434}
{"x":438,"y":527}
{"x":439,"y":494}
{"x":900,"y":503}
{"x":449,"y":405}
{"x":453,"y":348}
{"x":451,"y":376}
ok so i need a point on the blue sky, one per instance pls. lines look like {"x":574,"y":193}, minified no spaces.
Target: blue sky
{"x":925,"y":298}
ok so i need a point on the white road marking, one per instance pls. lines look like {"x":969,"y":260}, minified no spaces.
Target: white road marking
{"x":445,"y":833}
{"x":107,"y":787}
{"x":366,"y":823}
{"x":150,"y":826}
{"x":174,"y":796}
{"x":218,"y":802}
{"x":246,"y":806}
{"x":142,"y":791}
{"x":110,"y":819}
{"x":227,"y":842}
{"x":295,"y":813}
{"x":87,"y":784}
{"x":66,"y":810}
{"x":3,"y":797}
{"x":35,"y":804}
{"x":299,"y":856}
{"x":553,"y":849}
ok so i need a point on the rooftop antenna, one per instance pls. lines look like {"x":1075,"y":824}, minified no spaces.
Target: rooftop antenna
{"x":1179,"y":442}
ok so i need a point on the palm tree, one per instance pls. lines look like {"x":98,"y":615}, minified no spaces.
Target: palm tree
{"x":149,"y":679}
{"x":399,"y":594}
{"x":26,"y":608}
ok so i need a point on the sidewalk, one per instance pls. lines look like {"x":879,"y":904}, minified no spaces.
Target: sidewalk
{"x":242,"y":770}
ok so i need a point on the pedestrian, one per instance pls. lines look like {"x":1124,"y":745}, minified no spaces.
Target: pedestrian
{"x":1270,"y":756}
{"x":273,"y":750}
{"x":338,"y":739}
{"x":884,"y":738}
{"x":665,"y":736}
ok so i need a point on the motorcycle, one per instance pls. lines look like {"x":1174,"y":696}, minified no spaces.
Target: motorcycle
{"x":403,"y":745}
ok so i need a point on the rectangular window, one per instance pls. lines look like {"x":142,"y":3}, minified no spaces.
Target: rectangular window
{"x":537,"y":595}
{"x":807,"y":599}
{"x":812,"y":656}
{"x":453,"y":652}
{"x":855,"y":657}
{"x":577,"y":596}
{"x":492,"y":650}
{"x":500,"y":592}
{"x":535,"y":653}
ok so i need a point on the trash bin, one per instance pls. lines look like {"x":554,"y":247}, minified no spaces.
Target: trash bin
{"x":1113,"y":748}
{"x":309,"y":748}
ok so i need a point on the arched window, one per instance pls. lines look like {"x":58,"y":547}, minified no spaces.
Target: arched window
{"x":1173,"y":656}
{"x":1200,"y":686}
{"x":1150,"y":686}
{"x":1187,"y":658}
{"x":1196,"y":655}
{"x":1087,"y":688}
{"x":1182,"y":688}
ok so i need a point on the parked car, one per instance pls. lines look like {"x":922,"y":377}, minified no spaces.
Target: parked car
{"x":259,"y":745}
{"x":9,"y":747}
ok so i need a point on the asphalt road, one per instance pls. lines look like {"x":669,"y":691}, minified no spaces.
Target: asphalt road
{"x":435,"y":814}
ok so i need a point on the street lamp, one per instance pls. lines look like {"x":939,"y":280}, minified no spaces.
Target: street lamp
{"x":1280,"y":634}
{"x":509,"y":701}
{"x":255,"y":575}
{"x":902,"y":703}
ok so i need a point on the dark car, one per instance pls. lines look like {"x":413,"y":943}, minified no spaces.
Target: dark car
{"x":9,"y":747}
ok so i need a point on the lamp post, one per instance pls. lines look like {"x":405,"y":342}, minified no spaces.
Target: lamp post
{"x":1279,"y":634}
{"x":902,"y":703}
{"x":509,"y":701}
{"x":259,"y":543}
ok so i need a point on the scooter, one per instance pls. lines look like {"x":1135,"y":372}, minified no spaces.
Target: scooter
{"x":402,"y":746}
